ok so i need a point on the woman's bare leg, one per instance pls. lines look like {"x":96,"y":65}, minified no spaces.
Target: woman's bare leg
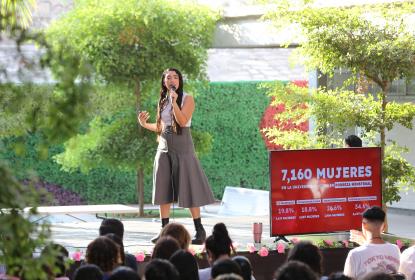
{"x":195,"y":211}
{"x":165,"y":210}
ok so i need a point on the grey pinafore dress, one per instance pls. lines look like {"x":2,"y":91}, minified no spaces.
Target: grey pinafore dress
{"x":177,"y":173}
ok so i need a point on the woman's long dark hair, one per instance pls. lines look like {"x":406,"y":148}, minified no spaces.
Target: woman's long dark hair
{"x":164,"y":98}
{"x":219,"y":243}
{"x":309,"y":254}
{"x":104,"y":253}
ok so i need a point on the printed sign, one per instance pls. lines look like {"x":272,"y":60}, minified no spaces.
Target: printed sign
{"x":322,"y":190}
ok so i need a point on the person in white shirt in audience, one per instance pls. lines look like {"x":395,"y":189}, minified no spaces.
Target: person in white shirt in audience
{"x":407,"y":265}
{"x":374,"y":254}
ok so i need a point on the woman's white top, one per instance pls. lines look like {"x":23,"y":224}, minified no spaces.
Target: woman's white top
{"x":167,"y":113}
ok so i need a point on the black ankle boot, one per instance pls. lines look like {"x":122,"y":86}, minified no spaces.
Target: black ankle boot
{"x":164,"y":222}
{"x":200,"y":235}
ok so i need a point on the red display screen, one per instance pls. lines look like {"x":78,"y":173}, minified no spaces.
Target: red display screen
{"x":325,"y":190}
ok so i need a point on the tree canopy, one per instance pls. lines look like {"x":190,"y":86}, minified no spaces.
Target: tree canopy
{"x":371,"y":40}
{"x":129,"y":39}
{"x":376,"y":44}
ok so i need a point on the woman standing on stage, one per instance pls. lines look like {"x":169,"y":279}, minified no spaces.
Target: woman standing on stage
{"x":177,"y":174}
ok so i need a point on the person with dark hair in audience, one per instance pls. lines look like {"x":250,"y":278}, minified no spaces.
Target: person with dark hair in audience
{"x":309,"y":254}
{"x":124,"y":273}
{"x":295,"y":270}
{"x":338,"y":276}
{"x":104,"y":253}
{"x":353,"y":141}
{"x":230,"y":276}
{"x":225,"y":266}
{"x":158,"y":269}
{"x":185,"y":264}
{"x":88,"y":272}
{"x":116,"y":227}
{"x":111,"y":226}
{"x":377,"y":275}
{"x":218,"y":246}
{"x":119,"y":243}
{"x":165,"y":248}
{"x":375,"y":254}
{"x":246,"y":267}
{"x":179,"y":232}
{"x":60,"y":261}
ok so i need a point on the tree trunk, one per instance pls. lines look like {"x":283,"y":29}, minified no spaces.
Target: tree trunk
{"x":140,"y":172}
{"x":383,"y":96}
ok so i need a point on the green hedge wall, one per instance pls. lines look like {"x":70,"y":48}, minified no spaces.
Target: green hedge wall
{"x":229,"y":111}
{"x":100,"y":186}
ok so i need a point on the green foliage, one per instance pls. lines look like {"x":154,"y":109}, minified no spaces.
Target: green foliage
{"x":16,"y":13}
{"x":21,"y":107}
{"x":99,"y":186}
{"x":20,"y":237}
{"x":109,"y":143}
{"x":376,"y":41}
{"x":54,"y":112}
{"x":399,"y":173}
{"x":225,"y":133}
{"x":333,"y":112}
{"x":231,"y":113}
{"x":125,"y":40}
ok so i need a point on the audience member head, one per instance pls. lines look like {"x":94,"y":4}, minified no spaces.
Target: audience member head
{"x":309,"y":254}
{"x":185,"y":264}
{"x":124,"y":273}
{"x":60,"y":259}
{"x":219,"y":243}
{"x":230,"y":276}
{"x":225,"y":266}
{"x":165,"y":247}
{"x":104,"y":253}
{"x":376,"y":275}
{"x":179,"y":232}
{"x":294,"y":270}
{"x":338,"y":276}
{"x":353,"y":141}
{"x":112,"y":226}
{"x":120,"y":244}
{"x":88,"y":272}
{"x":245,"y":265}
{"x":158,"y":269}
{"x":373,"y":220}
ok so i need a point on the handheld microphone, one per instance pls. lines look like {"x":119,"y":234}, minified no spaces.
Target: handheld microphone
{"x":172,"y":88}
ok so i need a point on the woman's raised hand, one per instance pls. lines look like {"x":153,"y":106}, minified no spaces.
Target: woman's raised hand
{"x":173,"y":96}
{"x":143,"y":117}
